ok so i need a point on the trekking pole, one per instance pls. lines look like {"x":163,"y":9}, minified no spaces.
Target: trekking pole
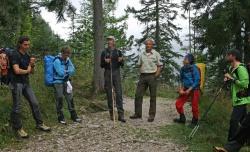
{"x":111,"y":82}
{"x":193,"y":132}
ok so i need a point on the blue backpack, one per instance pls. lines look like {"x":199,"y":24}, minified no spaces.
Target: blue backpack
{"x":49,"y":69}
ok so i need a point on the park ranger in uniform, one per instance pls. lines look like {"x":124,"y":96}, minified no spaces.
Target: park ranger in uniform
{"x":150,"y":68}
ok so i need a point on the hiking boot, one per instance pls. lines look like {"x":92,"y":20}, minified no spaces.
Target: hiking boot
{"x":43,"y":127}
{"x":63,"y":122}
{"x":150,"y":119}
{"x":219,"y":149}
{"x":21,"y":133}
{"x":121,"y":117}
{"x":181,"y":120}
{"x":122,"y":120}
{"x":77,"y":120}
{"x":135,"y":117}
{"x":73,"y":115}
{"x":194,"y":122}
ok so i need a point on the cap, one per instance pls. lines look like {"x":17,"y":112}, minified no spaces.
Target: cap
{"x":111,"y":37}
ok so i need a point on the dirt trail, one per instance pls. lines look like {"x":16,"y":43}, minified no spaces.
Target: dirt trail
{"x":96,"y":133}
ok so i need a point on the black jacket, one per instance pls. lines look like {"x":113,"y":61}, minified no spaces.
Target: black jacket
{"x":114,"y":55}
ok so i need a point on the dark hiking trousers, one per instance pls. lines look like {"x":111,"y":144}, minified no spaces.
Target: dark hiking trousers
{"x":238,"y":114}
{"x":117,"y":89}
{"x":242,"y":136}
{"x":60,"y":92}
{"x":146,"y":81}
{"x":17,"y":90}
{"x":233,"y":146}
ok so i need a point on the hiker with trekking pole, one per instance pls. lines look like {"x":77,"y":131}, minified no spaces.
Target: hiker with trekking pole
{"x":190,"y":87}
{"x":239,"y":80}
{"x":238,"y":76}
{"x":150,"y":68}
{"x":112,"y":60}
{"x":21,"y":66}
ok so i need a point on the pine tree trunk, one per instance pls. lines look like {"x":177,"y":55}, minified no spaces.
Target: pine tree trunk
{"x":157,"y":32}
{"x":98,"y":77}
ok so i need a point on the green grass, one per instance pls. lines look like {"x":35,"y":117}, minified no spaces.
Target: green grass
{"x":212,"y":132}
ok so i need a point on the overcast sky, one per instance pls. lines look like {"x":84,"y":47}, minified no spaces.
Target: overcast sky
{"x":134,"y":27}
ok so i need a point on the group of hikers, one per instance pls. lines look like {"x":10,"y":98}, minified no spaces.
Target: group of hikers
{"x":150,"y":66}
{"x":21,"y":65}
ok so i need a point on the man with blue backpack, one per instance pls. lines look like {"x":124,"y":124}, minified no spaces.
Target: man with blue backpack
{"x":190,"y":79}
{"x":57,"y":74}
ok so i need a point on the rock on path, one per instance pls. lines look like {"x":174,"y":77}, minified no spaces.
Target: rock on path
{"x":96,"y":133}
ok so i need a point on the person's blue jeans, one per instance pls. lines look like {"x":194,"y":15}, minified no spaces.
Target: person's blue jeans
{"x":18,"y":90}
{"x":60,"y":92}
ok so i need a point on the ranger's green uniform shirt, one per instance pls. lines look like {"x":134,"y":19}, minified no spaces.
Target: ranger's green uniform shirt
{"x":148,"y":62}
{"x":241,"y":82}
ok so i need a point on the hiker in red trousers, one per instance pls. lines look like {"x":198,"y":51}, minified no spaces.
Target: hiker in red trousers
{"x":190,"y":79}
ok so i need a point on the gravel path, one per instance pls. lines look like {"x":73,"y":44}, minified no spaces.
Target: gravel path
{"x":96,"y":133}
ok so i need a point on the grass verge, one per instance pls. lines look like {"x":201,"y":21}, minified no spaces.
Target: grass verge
{"x":212,"y":132}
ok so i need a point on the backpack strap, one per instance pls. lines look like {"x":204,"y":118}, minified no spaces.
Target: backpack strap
{"x":192,"y":72}
{"x":236,"y":70}
{"x":66,"y":65}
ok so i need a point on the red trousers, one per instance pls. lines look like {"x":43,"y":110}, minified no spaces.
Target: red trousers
{"x":195,"y":95}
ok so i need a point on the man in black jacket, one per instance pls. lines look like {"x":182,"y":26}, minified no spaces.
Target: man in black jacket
{"x":111,"y":61}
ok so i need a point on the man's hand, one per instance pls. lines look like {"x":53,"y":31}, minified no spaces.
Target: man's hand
{"x":227,"y":77}
{"x":120,"y":59}
{"x":181,"y":91}
{"x":32,"y":61}
{"x":158,"y":72}
{"x":107,"y":60}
